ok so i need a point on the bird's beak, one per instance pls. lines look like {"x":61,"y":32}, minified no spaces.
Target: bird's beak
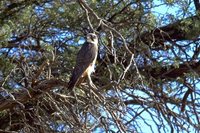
{"x":93,"y":38}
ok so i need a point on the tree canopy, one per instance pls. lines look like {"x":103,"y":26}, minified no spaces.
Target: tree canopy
{"x":147,"y":70}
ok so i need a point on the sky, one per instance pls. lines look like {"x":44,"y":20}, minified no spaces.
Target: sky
{"x":160,"y":12}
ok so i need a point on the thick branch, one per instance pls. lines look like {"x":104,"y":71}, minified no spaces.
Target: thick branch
{"x":172,"y":72}
{"x":21,"y":97}
{"x":185,"y":29}
{"x":197,"y":5}
{"x":188,"y":92}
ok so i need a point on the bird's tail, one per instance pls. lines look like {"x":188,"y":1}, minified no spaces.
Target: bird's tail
{"x":72,"y":82}
{"x":76,"y":75}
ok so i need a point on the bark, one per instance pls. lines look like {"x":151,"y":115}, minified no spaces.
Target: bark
{"x":197,"y":5}
{"x":185,"y":29}
{"x":172,"y":72}
{"x":21,"y":97}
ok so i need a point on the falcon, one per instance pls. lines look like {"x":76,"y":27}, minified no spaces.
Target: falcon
{"x":85,"y":61}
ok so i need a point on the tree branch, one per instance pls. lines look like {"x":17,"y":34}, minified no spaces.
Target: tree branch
{"x":187,"y":93}
{"x":172,"y":72}
{"x":23,"y":96}
{"x":197,"y":5}
{"x":185,"y":29}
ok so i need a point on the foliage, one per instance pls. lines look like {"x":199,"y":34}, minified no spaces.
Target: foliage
{"x":147,"y":71}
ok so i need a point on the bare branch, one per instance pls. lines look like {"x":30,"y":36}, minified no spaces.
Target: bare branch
{"x":24,"y":96}
{"x":188,"y":92}
{"x":171,"y":72}
{"x":87,"y":15}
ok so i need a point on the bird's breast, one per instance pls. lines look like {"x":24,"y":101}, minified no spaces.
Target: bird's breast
{"x":89,"y":70}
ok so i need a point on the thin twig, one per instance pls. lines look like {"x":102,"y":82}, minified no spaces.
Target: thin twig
{"x":87,"y":16}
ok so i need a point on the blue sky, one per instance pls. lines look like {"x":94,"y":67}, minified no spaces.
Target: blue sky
{"x":162,"y":11}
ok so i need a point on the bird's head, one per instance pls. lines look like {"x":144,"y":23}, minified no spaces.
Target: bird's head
{"x":92,"y":38}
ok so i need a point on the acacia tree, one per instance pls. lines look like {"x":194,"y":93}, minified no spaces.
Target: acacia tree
{"x":147,"y":71}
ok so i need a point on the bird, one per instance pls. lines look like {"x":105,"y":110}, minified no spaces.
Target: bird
{"x":85,"y":62}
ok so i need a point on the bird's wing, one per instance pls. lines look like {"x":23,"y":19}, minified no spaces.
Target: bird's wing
{"x":85,"y":57}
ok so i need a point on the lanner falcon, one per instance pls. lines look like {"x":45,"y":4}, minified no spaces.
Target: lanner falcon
{"x":85,"y":61}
